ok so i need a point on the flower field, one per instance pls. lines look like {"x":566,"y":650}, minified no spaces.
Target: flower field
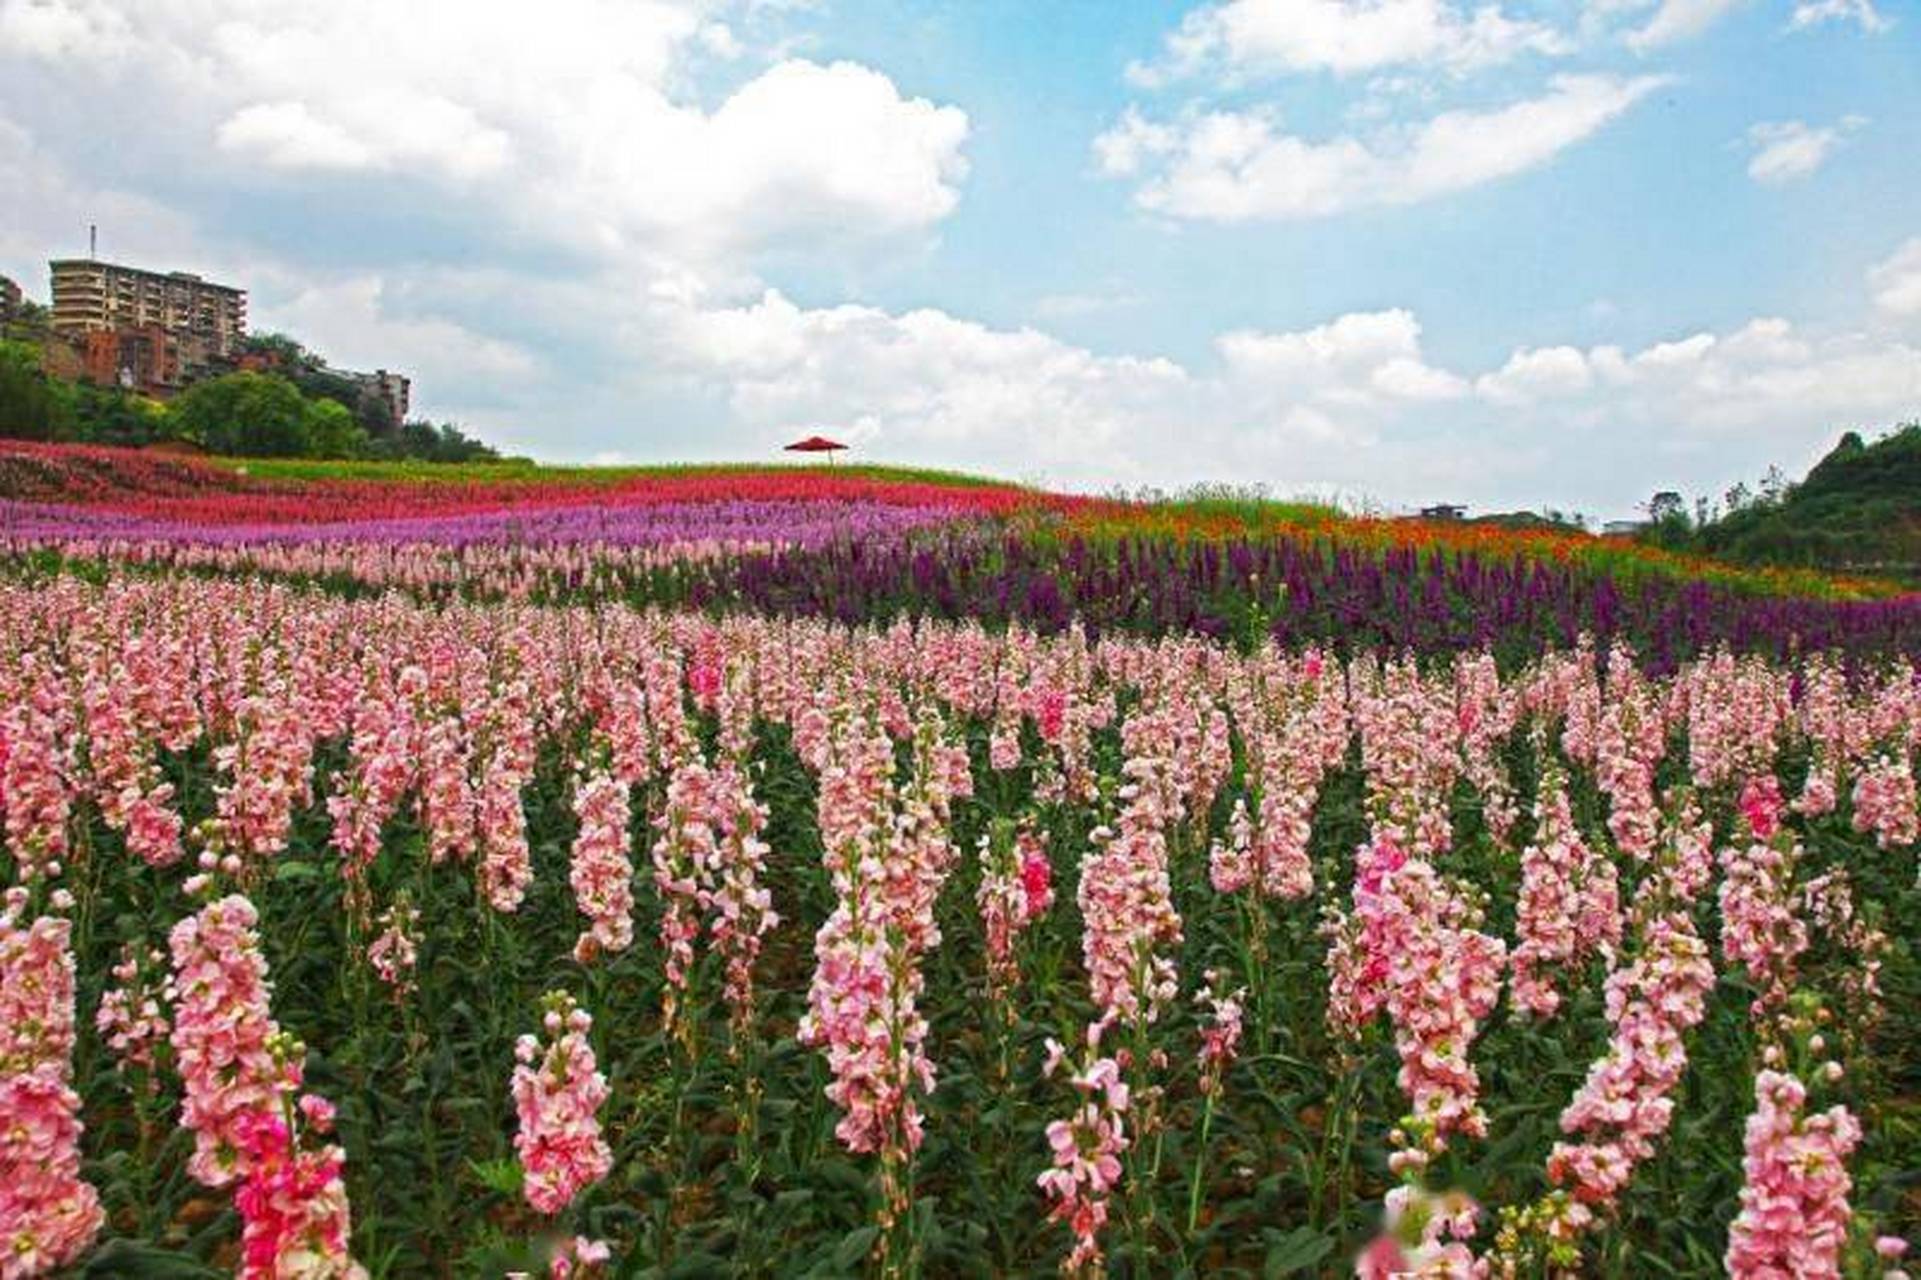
{"x":840,"y":872}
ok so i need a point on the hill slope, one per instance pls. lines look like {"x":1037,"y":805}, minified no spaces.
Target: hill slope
{"x":1857,"y":511}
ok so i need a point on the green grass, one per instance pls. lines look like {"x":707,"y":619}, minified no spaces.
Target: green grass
{"x":527,"y":471}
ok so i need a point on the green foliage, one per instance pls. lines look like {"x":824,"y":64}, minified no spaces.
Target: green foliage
{"x":431,"y":442}
{"x":32,"y":405}
{"x":252,"y":414}
{"x":113,"y":415}
{"x":1858,"y":510}
{"x":300,"y":410}
{"x":332,"y":431}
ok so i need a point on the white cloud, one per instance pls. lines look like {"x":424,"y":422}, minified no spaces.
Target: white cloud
{"x":562,"y":229}
{"x":1678,"y":20}
{"x":1238,"y":166}
{"x":1361,"y":359}
{"x":1533,"y":374}
{"x":1813,"y":13}
{"x":356,"y":324}
{"x":1345,"y":37}
{"x":579,"y":127}
{"x":1896,"y":283}
{"x":1790,"y":149}
{"x":1126,"y":147}
{"x":287,"y":134}
{"x":928,"y":385}
{"x":1350,"y":405}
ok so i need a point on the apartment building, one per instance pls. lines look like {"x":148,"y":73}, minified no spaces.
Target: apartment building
{"x":205,"y":319}
{"x":10,"y":299}
{"x":392,"y":389}
{"x":395,"y":389}
{"x":145,"y":358}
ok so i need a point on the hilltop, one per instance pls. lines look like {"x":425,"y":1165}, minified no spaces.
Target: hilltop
{"x":40,"y":481}
{"x":1858,"y":511}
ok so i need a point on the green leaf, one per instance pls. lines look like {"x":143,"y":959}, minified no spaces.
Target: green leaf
{"x":854,"y":1247}
{"x":1294,"y":1252}
{"x":504,"y":1176}
{"x":145,"y":1262}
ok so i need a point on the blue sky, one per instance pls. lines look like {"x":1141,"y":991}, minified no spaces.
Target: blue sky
{"x":1558,"y":253}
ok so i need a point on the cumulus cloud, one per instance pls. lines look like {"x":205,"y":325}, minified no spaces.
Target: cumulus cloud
{"x":1814,"y":13}
{"x":1233,"y":166}
{"x":1362,"y":359}
{"x":1533,"y":374}
{"x":1345,"y":37}
{"x":358,"y":324}
{"x":1791,"y":149}
{"x":1896,"y":282}
{"x":1677,"y":20}
{"x":1351,"y":404}
{"x":581,"y":126}
{"x":564,"y":231}
{"x":930,"y":385}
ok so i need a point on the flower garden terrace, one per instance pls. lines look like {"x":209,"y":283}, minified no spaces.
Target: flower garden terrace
{"x":799,"y":560}
{"x":1575,"y":919}
{"x":858,"y":544}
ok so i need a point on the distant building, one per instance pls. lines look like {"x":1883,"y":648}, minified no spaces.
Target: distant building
{"x":395,"y":390}
{"x":1622,"y":528}
{"x":1444,"y":511}
{"x":205,"y":320}
{"x":10,"y":300}
{"x":144,"y":358}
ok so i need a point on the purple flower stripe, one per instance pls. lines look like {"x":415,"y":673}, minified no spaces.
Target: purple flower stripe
{"x":787,"y":524}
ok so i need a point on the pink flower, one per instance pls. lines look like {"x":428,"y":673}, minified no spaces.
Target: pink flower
{"x":1221,"y":1037}
{"x":224,"y":1037}
{"x":1794,"y":1214}
{"x":293,"y":1207}
{"x":558,"y":1091}
{"x":1885,"y":803}
{"x":395,"y":951}
{"x":1086,"y":1150}
{"x":1569,"y":907}
{"x":602,"y":873}
{"x":1016,"y":889}
{"x":133,"y":1014}
{"x":36,"y":769}
{"x":49,"y":1215}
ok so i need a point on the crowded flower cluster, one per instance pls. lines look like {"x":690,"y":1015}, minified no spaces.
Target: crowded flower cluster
{"x":356,"y":931}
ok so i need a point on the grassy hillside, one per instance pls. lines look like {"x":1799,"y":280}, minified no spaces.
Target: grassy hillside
{"x":1858,"y":511}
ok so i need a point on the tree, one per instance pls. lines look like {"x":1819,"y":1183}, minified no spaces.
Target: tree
{"x":429,"y":442}
{"x":31,"y":323}
{"x":332,"y":431}
{"x":246,"y":414}
{"x":32,"y":405}
{"x":1773,"y":485}
{"x":112,"y":415}
{"x":287,"y":353}
{"x":1665,"y":506}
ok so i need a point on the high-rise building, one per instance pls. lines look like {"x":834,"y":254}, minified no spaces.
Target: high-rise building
{"x":10,"y":299}
{"x":207,"y":320}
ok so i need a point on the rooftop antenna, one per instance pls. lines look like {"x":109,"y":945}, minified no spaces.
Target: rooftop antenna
{"x":93,"y":242}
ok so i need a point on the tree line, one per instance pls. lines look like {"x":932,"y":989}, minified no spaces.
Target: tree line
{"x":298,"y":409}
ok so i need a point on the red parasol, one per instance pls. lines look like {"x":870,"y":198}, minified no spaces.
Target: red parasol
{"x":815,"y":444}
